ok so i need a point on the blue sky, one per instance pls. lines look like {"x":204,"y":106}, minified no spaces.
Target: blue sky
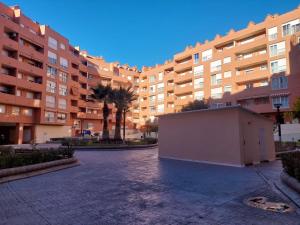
{"x":141,"y":32}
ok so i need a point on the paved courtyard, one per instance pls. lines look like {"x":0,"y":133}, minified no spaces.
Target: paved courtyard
{"x":134,"y":187}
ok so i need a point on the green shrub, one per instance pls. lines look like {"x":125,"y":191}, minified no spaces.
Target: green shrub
{"x":29,"y":156}
{"x":291,"y":164}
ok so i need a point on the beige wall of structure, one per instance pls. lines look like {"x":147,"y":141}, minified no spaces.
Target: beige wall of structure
{"x":228,"y":136}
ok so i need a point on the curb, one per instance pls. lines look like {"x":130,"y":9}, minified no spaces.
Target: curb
{"x":22,"y":172}
{"x":290,"y":181}
{"x":114,"y":148}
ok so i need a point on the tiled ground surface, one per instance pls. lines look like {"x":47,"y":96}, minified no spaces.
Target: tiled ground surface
{"x":134,"y":187}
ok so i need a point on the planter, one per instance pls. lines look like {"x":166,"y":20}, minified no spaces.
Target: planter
{"x":290,"y":181}
{"x":36,"y":169}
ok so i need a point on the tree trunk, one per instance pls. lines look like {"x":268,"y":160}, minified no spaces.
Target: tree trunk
{"x":124,"y":124}
{"x":105,"y":133}
{"x":118,"y":125}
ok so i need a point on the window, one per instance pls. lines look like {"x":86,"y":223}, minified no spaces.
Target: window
{"x":62,"y":103}
{"x":63,"y":90}
{"x":199,"y":95}
{"x":2,"y":108}
{"x":227,"y":88}
{"x":152,"y":98}
{"x":51,"y":72}
{"x":29,"y":95}
{"x":51,"y":86}
{"x":207,"y":55}
{"x":160,"y":97}
{"x":283,"y":100}
{"x":52,"y":43}
{"x":291,"y":27}
{"x":215,"y":66}
{"x":277,"y":49}
{"x":279,"y":83}
{"x":15,"y":111}
{"x":18,"y":92}
{"x":199,"y":83}
{"x":227,"y":60}
{"x":278,"y":66}
{"x":216,"y":79}
{"x":152,"y":78}
{"x":272,"y":33}
{"x":61,"y":117}
{"x":160,"y":87}
{"x":216,"y":93}
{"x":63,"y":77}
{"x":152,"y":89}
{"x":198,"y":70}
{"x":196,"y":58}
{"x":52,"y":57}
{"x":62,"y":46}
{"x":160,"y":76}
{"x":27,"y":112}
{"x":63,"y":62}
{"x":160,"y":108}
{"x":50,"y":101}
{"x":227,"y":74}
{"x":49,"y":116}
{"x":152,"y":108}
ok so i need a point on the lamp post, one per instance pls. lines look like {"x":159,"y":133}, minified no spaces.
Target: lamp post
{"x":278,"y":120}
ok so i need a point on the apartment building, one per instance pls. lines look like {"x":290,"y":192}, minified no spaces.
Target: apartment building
{"x":45,"y":82}
{"x":256,"y":67}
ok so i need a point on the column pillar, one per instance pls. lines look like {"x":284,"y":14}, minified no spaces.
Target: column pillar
{"x":19,"y":133}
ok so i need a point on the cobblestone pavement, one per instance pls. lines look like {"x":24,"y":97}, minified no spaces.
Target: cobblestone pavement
{"x":134,"y":187}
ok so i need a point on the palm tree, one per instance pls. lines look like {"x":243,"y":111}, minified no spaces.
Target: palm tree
{"x":195,"y":105}
{"x":103,"y":93}
{"x":122,"y":98}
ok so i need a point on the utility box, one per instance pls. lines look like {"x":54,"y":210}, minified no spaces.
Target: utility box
{"x":231,"y":136}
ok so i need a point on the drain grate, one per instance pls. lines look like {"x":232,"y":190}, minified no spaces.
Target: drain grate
{"x":262,"y":203}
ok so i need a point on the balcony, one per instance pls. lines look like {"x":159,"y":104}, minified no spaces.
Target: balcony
{"x":182,"y":102}
{"x":31,"y":36}
{"x":170,"y":87}
{"x":186,"y":65}
{"x":19,"y":100}
{"x":82,"y":103}
{"x":184,"y":77}
{"x":170,"y":98}
{"x":31,"y":69}
{"x":258,"y":42}
{"x":82,"y":79}
{"x":74,"y":109}
{"x":10,"y":43}
{"x":256,"y":59}
{"x":31,"y":52}
{"x":252,"y":93}
{"x":253,"y":76}
{"x":9,"y":61}
{"x":93,"y":116}
{"x":180,"y":90}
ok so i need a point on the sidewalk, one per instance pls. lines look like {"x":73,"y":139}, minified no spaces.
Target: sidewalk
{"x":271,"y":173}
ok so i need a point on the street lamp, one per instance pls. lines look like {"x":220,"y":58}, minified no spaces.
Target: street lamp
{"x":278,"y":120}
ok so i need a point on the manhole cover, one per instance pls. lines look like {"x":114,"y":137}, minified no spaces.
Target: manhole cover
{"x":262,"y":203}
